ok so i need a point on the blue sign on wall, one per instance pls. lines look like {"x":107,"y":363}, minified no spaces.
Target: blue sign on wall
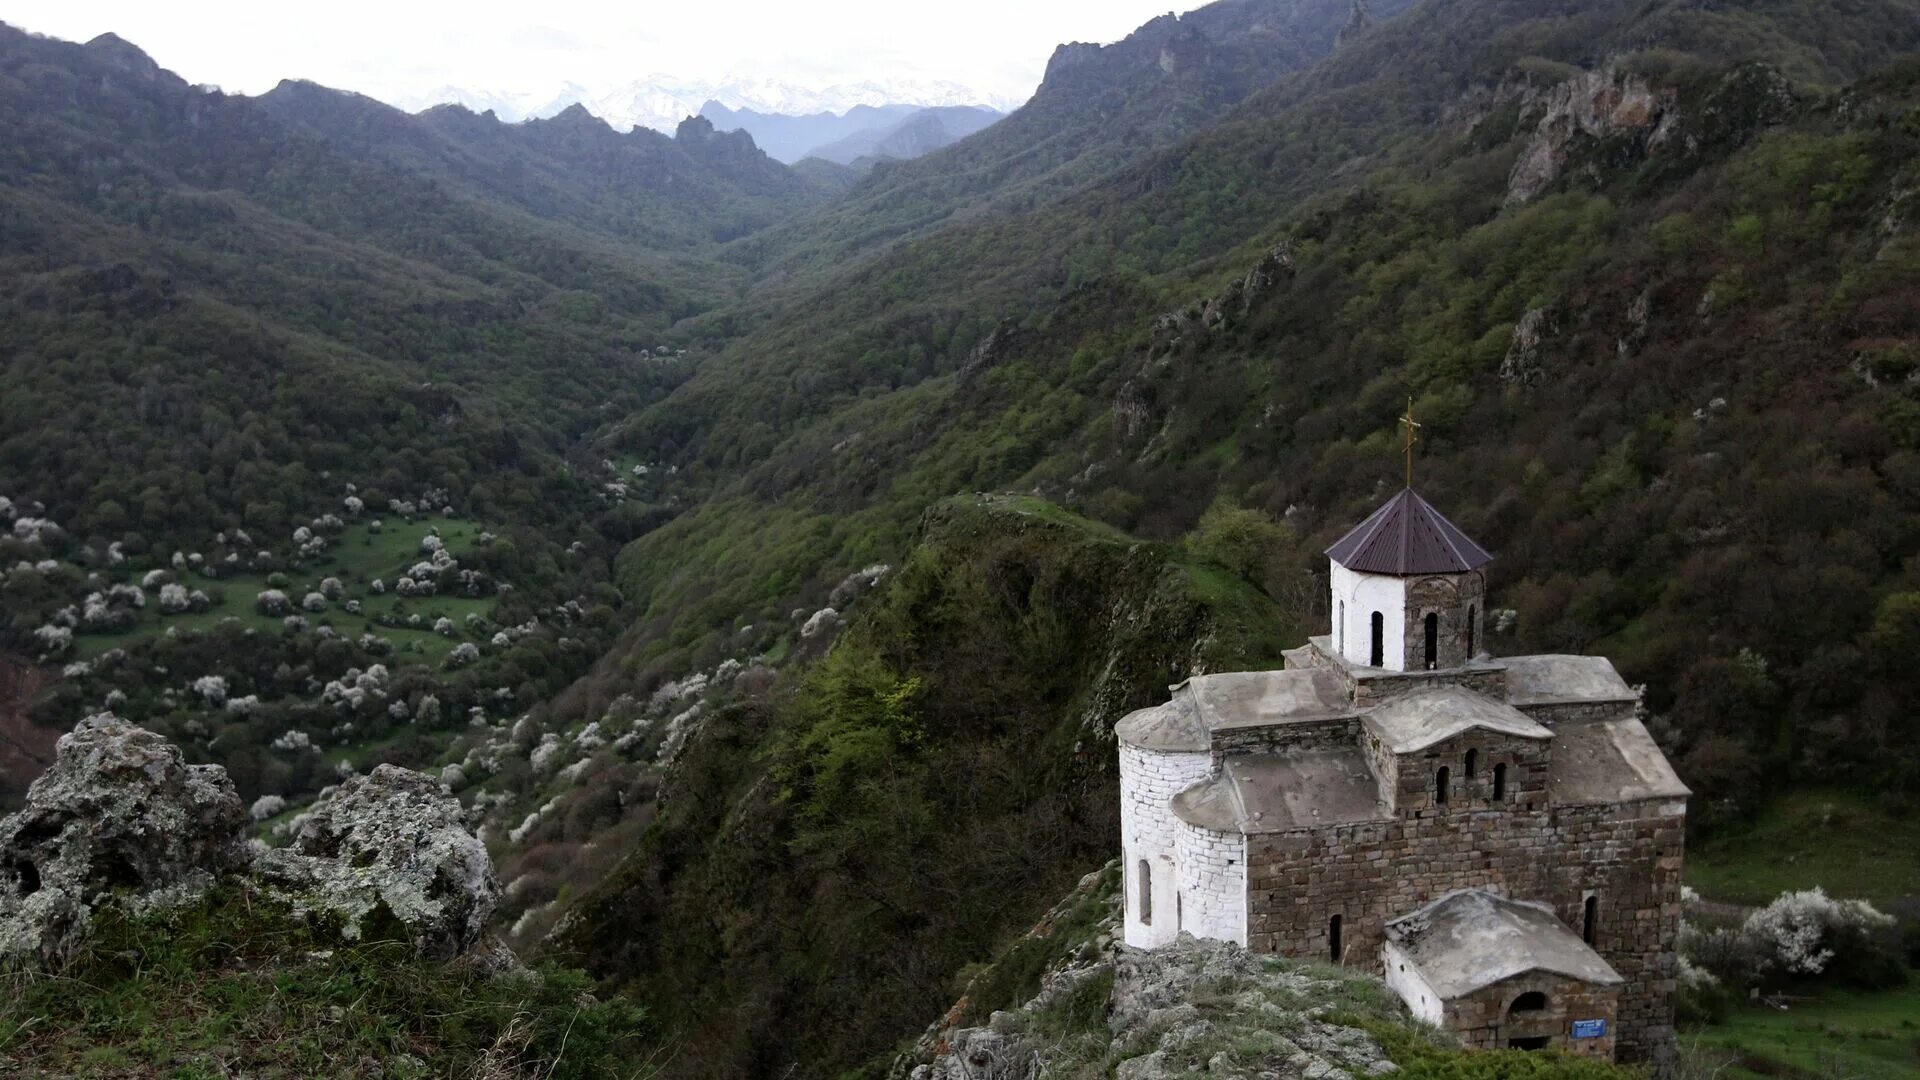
{"x":1589,"y":1029}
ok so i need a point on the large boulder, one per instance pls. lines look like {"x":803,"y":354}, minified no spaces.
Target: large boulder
{"x":119,"y":814}
{"x":388,"y":846}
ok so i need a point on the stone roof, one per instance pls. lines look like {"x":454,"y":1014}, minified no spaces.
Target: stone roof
{"x":1235,"y":699}
{"x":1171,"y":726}
{"x":1471,"y":939}
{"x":1553,"y":680}
{"x":1302,"y":788}
{"x":1609,"y":761}
{"x":1417,"y":720}
{"x":1266,"y":698}
{"x":1408,"y":536}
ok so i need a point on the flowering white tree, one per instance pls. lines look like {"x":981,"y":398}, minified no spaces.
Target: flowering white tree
{"x":314,"y":601}
{"x":212,"y":689}
{"x":174,"y":598}
{"x":463,"y":654}
{"x":443,"y":626}
{"x":153,"y":579}
{"x":353,"y":505}
{"x":54,"y":639}
{"x":1800,"y":931}
{"x":271,"y":602}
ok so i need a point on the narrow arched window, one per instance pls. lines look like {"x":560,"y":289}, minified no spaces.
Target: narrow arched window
{"x":1343,"y":627}
{"x":1333,"y":939}
{"x":1499,"y":782}
{"x":1146,"y":893}
{"x":1472,"y":633}
{"x":1379,"y":653}
{"x":1433,"y":640}
{"x":1589,"y":919}
{"x":1442,"y":780}
{"x":1473,"y":761}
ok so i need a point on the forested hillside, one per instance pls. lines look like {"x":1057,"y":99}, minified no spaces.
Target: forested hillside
{"x":1614,"y":254}
{"x":228,"y":296}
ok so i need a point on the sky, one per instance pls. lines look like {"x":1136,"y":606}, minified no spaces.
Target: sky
{"x":399,"y":49}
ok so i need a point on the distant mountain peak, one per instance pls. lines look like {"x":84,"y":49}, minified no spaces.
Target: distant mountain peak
{"x":124,"y":55}
{"x":693,"y":127}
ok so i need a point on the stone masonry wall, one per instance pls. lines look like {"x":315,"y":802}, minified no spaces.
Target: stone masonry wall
{"x":1485,"y":1018}
{"x":1212,"y":868}
{"x":1454,"y":599}
{"x":1415,"y":775}
{"x":1148,"y":780}
{"x":1279,"y":738}
{"x":1627,"y":857}
{"x":1374,"y":689}
{"x":1578,"y":712}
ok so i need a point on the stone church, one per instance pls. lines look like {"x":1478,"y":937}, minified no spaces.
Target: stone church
{"x":1499,"y":838}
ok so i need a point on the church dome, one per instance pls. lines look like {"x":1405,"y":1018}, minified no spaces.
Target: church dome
{"x":1407,"y":536}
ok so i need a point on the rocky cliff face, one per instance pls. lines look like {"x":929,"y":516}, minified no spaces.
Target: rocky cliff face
{"x":121,"y":819}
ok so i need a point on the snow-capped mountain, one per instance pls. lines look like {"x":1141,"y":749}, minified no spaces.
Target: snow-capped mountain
{"x":662,"y":101}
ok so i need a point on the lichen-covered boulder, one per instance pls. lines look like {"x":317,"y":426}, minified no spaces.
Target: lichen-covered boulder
{"x":119,"y":813}
{"x":388,"y":845}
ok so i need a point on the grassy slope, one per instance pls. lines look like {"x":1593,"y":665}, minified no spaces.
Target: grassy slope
{"x":1837,"y":840}
{"x":1852,"y":1034}
{"x":230,"y":987}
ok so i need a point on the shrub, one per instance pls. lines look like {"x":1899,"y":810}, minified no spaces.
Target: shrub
{"x":1809,"y":934}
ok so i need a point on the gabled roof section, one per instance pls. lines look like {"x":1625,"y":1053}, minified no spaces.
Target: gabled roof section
{"x":1408,"y":536}
{"x":1417,"y":720}
{"x":1471,"y":939}
{"x":1609,"y":761}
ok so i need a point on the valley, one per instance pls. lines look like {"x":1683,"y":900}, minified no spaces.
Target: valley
{"x":781,"y":542}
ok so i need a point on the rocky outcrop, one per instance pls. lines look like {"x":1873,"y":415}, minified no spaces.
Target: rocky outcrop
{"x":991,"y":351}
{"x":1193,"y":1008}
{"x":390,"y":845}
{"x":1359,"y":21}
{"x":120,"y":811}
{"x":1190,"y":1009}
{"x":1523,"y":364}
{"x":121,"y":819}
{"x":1589,"y":107}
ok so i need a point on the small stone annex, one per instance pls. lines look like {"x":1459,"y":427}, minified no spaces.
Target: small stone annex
{"x":1499,"y":838}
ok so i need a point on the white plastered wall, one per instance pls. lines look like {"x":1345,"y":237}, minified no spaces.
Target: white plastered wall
{"x":1405,"y":979}
{"x":1213,"y":882}
{"x":1362,"y":595}
{"x":1149,"y":779}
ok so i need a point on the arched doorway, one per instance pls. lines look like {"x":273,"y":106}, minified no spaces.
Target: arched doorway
{"x":1378,"y":656}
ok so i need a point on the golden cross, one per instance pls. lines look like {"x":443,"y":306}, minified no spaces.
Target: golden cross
{"x":1412,"y":427}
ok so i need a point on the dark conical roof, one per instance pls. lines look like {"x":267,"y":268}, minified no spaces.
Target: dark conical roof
{"x":1408,"y":536}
